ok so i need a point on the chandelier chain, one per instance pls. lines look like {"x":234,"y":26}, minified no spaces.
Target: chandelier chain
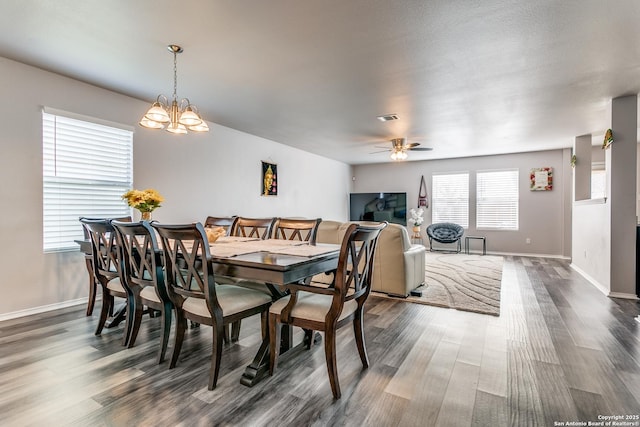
{"x":175,"y":75}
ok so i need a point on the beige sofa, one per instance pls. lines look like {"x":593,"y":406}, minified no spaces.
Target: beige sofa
{"x":398,"y":265}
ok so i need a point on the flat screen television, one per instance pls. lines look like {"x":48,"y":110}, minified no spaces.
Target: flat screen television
{"x":391,"y":207}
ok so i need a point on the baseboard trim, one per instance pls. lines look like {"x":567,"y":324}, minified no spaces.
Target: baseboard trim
{"x":622,"y":295}
{"x":601,"y":288}
{"x":562,"y":257}
{"x":590,"y":279}
{"x":43,"y":309}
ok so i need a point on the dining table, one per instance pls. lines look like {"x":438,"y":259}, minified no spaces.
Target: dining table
{"x":275,"y":262}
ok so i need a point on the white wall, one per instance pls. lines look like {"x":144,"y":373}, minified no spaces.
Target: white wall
{"x":604,"y":231}
{"x":544,"y":215}
{"x":213,"y":174}
{"x":220,"y":175}
{"x":592,"y":242}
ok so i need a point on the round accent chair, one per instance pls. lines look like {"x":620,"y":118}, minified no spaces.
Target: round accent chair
{"x":445,"y":232}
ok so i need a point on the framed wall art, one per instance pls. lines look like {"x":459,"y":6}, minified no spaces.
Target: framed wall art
{"x":541,"y":179}
{"x":269,"y":182}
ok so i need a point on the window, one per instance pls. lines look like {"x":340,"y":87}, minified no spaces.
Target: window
{"x":87,"y":166}
{"x":450,"y":198}
{"x":497,"y":199}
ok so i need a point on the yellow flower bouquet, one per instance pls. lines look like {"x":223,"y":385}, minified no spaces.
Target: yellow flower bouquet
{"x":143,"y":200}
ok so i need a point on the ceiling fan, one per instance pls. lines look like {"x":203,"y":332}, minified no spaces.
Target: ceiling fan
{"x":399,"y":148}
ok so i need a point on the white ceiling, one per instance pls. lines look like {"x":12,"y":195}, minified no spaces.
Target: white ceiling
{"x":465,"y":77}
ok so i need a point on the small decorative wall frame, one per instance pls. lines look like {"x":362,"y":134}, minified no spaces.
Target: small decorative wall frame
{"x":541,"y":179}
{"x":608,"y":139}
{"x":269,"y":181}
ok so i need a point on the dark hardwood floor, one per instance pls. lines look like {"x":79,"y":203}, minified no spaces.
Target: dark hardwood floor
{"x":559,"y":352}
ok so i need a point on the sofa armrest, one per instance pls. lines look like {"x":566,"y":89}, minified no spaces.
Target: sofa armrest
{"x":414,"y":265}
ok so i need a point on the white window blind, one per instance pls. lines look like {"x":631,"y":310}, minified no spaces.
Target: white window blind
{"x":86,"y":168}
{"x":450,"y":198}
{"x":497,"y":198}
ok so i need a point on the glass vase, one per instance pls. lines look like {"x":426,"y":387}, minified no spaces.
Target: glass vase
{"x":145,"y":216}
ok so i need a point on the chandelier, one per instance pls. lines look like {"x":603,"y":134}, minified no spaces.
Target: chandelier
{"x":177,"y":117}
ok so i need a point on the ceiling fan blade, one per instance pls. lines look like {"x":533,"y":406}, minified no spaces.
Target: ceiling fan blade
{"x":412,"y":145}
{"x":381,"y":151}
{"x":421,"y":149}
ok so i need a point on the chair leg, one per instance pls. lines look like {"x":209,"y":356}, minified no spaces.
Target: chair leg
{"x":166,"y":328}
{"x":134,"y":319}
{"x":360,"y":343}
{"x":107,"y":303}
{"x":92,"y":287}
{"x":216,"y":353}
{"x":332,"y":365}
{"x":181,"y":326}
{"x":274,"y":342}
{"x":226,"y":337}
{"x":308,"y":338}
{"x":235,"y":330}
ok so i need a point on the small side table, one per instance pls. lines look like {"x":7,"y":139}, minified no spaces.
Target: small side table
{"x":484,"y":243}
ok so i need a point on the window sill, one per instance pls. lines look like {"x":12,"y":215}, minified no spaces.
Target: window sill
{"x":600,"y":201}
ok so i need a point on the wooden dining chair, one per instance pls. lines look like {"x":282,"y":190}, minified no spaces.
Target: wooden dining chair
{"x":296,"y":229}
{"x":287,"y":229}
{"x":106,"y":269}
{"x":253,"y":227}
{"x":142,"y":271}
{"x":88,"y":257}
{"x":195,"y":295}
{"x":327,"y":309}
{"x":226,"y":222}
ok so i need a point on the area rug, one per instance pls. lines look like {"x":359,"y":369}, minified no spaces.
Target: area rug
{"x":464,"y":282}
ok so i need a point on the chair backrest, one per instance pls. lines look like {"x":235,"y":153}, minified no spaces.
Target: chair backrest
{"x":355,"y":264}
{"x":140,"y":256}
{"x":188,"y":263}
{"x":103,"y":247}
{"x":86,"y":232}
{"x":445,"y":232}
{"x":226,"y":222}
{"x":297,"y":229}
{"x":253,"y":227}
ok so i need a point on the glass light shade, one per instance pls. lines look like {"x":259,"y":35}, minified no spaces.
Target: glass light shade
{"x":189,"y":117}
{"x":202,"y":127}
{"x":150,"y":124}
{"x":402,"y":155}
{"x":176,"y":128}
{"x":394,"y":156}
{"x":157,"y":113}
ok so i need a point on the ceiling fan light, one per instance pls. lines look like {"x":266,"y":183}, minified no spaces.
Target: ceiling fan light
{"x":150,"y":124}
{"x":177,"y":128}
{"x":157,"y":113}
{"x":394,"y":156}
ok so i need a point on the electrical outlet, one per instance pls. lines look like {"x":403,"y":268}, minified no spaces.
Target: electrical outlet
{"x":527,"y":241}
